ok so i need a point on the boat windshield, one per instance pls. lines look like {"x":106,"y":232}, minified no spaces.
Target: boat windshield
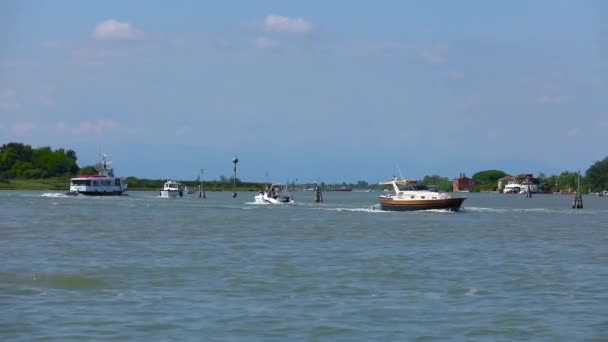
{"x":413,"y":187}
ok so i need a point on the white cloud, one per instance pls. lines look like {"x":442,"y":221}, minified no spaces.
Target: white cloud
{"x":278,"y":23}
{"x":263,"y":42}
{"x":8,"y":100}
{"x":60,"y":126}
{"x":22,"y":127}
{"x":456,"y":75}
{"x":574,"y":132}
{"x":182,"y":131}
{"x":431,"y":57}
{"x":492,"y":133}
{"x":115,"y":30}
{"x":553,"y":100}
{"x":97,"y":127}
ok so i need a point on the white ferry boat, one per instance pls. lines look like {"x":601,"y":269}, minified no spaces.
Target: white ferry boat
{"x":171,"y":189}
{"x":104,"y":183}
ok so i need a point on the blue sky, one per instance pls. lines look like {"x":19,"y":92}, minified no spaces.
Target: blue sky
{"x":335,"y":90}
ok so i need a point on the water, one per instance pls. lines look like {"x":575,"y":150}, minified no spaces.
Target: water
{"x":141,"y":267}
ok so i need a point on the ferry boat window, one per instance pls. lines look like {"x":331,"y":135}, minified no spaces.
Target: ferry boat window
{"x":85,"y":182}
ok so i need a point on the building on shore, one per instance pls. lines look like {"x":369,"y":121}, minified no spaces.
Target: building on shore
{"x":462,"y":183}
{"x":504,"y":181}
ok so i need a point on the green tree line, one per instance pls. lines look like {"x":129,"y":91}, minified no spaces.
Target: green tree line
{"x":19,"y":160}
{"x":595,"y":179}
{"x":222,"y":184}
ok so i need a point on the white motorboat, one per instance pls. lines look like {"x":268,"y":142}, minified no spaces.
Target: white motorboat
{"x":275,"y":194}
{"x":171,"y":189}
{"x":514,"y":187}
{"x":410,"y":196}
{"x":104,"y":183}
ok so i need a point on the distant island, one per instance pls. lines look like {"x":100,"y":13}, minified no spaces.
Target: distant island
{"x":25,"y":168}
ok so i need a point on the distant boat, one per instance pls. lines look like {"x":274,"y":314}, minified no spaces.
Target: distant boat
{"x":104,"y":183}
{"x":171,"y":189}
{"x":514,"y":187}
{"x":275,"y":194}
{"x":410,"y":196}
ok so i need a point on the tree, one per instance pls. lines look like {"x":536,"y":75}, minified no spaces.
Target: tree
{"x":597,"y":175}
{"x":443,"y":183}
{"x":20,"y":160}
{"x":88,"y":170}
{"x":488,"y":179}
{"x":11,"y":153}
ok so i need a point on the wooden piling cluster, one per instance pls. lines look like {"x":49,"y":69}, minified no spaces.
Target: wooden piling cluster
{"x":318,"y":194}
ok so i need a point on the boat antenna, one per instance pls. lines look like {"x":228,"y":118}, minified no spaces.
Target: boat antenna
{"x":399,"y":170}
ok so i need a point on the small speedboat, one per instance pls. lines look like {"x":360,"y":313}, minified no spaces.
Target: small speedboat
{"x":171,"y":189}
{"x":275,"y":194}
{"x":410,"y":196}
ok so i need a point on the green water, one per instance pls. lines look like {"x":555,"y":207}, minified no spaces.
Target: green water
{"x":140,"y":267}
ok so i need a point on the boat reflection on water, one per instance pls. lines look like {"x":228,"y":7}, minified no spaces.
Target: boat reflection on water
{"x":410,"y":196}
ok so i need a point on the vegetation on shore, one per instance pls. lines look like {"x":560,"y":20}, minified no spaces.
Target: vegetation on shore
{"x":25,"y":168}
{"x":52,"y":183}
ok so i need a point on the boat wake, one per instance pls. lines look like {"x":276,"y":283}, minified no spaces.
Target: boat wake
{"x":269,"y":204}
{"x":510,"y":210}
{"x":359,"y":210}
{"x":54,"y":195}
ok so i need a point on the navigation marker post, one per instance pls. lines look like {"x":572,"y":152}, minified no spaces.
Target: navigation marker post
{"x":578,"y":198}
{"x":201,"y":187}
{"x":235,"y":160}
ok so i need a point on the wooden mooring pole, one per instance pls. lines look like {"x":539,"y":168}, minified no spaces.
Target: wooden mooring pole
{"x":318,"y":194}
{"x":578,"y":198}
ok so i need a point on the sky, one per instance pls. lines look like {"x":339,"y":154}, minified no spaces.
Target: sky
{"x":309,"y":90}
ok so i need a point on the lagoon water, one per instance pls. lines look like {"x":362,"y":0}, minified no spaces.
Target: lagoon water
{"x":140,"y":267}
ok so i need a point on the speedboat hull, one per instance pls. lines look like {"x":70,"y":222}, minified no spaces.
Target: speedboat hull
{"x":171,"y":193}
{"x":270,"y":200}
{"x":451,"y":204}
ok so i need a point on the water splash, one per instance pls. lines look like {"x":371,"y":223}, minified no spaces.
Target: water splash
{"x":54,"y":195}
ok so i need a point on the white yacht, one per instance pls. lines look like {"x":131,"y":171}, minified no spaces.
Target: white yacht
{"x":171,"y":189}
{"x":104,"y":183}
{"x":275,"y":194}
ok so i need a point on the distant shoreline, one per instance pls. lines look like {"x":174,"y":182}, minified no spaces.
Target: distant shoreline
{"x":63,"y":184}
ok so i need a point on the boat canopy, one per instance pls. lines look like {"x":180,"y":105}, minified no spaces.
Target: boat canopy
{"x":399,"y":181}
